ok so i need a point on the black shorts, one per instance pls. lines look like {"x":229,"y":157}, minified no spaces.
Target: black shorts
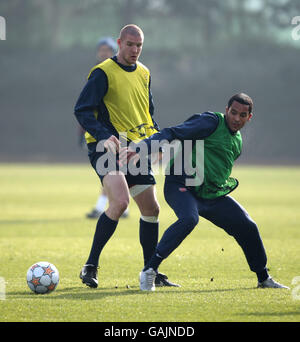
{"x":94,"y":156}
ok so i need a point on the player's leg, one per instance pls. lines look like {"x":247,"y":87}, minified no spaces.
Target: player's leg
{"x":102,"y":202}
{"x":185,"y":207}
{"x":145,"y":197}
{"x":228,"y":214}
{"x":146,"y":200}
{"x":117,"y":191}
{"x":116,"y":188}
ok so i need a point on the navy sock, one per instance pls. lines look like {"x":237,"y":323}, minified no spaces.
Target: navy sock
{"x":148,"y":238}
{"x":154,"y":262}
{"x":104,"y":230}
{"x":263,"y":275}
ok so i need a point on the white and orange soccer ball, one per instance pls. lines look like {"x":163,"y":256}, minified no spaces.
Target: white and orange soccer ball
{"x":42,"y":277}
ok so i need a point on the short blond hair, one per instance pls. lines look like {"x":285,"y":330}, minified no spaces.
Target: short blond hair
{"x":131,"y":29}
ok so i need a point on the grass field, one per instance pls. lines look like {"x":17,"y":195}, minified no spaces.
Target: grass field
{"x":42,"y":218}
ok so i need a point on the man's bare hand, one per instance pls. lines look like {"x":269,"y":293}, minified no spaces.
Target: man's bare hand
{"x":112,"y":144}
{"x":126,"y":154}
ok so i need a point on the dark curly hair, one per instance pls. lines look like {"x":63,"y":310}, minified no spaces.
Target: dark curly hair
{"x":243,"y":99}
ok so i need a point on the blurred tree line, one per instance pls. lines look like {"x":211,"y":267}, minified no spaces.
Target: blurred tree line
{"x":65,"y":23}
{"x":199,"y":52}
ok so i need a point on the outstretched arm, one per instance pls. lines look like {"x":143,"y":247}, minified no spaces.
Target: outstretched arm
{"x":197,"y":127}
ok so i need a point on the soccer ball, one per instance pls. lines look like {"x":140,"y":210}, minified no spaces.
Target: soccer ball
{"x":42,"y":277}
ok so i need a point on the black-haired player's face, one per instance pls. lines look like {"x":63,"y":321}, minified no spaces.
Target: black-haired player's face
{"x":104,"y":52}
{"x":237,"y":115}
{"x":130,"y":48}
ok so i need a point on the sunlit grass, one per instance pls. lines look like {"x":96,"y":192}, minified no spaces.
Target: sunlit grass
{"x":42,"y":218}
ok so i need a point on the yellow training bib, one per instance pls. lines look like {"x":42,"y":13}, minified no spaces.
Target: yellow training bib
{"x":127,"y":101}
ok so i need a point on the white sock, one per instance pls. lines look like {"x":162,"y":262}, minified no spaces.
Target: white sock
{"x":151,"y":219}
{"x":101,"y":203}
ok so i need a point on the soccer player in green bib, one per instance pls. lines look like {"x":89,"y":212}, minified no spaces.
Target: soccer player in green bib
{"x":209,"y":198}
{"x":117,"y":100}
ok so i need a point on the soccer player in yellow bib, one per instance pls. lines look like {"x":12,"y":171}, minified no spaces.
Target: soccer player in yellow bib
{"x":117,"y":99}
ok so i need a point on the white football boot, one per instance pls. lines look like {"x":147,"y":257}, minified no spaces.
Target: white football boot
{"x":272,"y":284}
{"x":147,"y":280}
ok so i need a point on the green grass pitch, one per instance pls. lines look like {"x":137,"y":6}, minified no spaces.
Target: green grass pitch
{"x":42,"y":218}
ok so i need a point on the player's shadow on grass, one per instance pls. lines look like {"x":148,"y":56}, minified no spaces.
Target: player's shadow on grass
{"x":90,"y":294}
{"x":86,"y":293}
{"x":39,"y":221}
{"x":280,"y":313}
{"x":72,"y":293}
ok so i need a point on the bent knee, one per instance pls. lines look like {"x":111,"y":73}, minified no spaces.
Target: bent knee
{"x":151,"y":211}
{"x":247,"y":228}
{"x":194,"y":220}
{"x":119,"y":206}
{"x":122,"y":204}
{"x":252,"y":227}
{"x":156,"y":210}
{"x":191,"y":221}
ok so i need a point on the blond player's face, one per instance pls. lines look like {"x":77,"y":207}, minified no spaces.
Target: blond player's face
{"x":130,"y":48}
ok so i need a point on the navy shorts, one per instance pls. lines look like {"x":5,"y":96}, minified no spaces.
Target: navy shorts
{"x":114,"y":166}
